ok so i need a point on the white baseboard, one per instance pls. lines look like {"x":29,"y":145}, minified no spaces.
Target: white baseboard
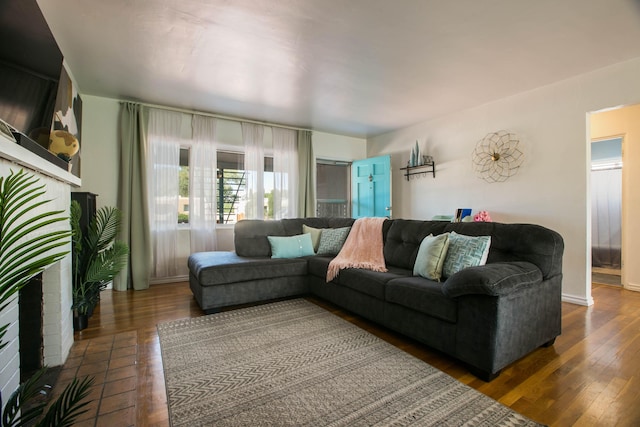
{"x":169,"y":280}
{"x":632,"y":287}
{"x":577,"y":300}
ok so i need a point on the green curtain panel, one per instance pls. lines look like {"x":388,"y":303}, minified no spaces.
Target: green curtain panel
{"x":132,"y":197}
{"x":307,"y":175}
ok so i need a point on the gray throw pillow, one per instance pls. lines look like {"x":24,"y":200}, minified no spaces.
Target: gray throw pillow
{"x":332,"y":239}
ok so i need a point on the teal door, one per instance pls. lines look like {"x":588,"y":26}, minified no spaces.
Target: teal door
{"x":371,"y":187}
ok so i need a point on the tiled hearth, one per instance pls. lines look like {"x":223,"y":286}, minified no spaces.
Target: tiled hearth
{"x":112,"y":361}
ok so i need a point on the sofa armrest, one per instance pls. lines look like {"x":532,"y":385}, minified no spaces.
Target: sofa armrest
{"x":494,"y":279}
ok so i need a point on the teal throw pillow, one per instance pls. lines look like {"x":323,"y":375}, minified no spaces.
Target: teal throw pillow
{"x":291,"y":246}
{"x":332,"y":239}
{"x":465,"y":251}
{"x":315,"y":235}
{"x":431,"y":256}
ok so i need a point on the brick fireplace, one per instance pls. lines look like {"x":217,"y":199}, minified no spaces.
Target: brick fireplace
{"x":57,"y":320}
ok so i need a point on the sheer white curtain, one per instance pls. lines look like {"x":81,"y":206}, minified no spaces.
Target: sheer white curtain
{"x":163,"y":168}
{"x":202,"y":184}
{"x":253,"y":135}
{"x":285,"y":172}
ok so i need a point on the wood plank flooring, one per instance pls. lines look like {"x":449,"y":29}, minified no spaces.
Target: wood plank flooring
{"x":590,"y":377}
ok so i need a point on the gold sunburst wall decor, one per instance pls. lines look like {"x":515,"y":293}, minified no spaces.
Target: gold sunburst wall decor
{"x":497,"y":156}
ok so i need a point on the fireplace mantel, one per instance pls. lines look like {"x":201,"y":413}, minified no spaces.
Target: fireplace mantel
{"x":15,"y":153}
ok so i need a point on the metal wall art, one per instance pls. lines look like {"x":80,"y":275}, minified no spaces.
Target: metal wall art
{"x":497,"y":156}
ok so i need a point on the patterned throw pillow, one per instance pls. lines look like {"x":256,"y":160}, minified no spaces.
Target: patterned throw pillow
{"x":290,"y":246}
{"x":431,"y":256}
{"x":465,"y":251}
{"x":332,"y":239}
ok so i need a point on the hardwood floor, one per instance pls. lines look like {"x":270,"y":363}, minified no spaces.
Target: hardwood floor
{"x":589,"y":377}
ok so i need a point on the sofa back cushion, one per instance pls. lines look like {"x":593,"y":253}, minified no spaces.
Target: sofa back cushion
{"x":403,"y":240}
{"x":518,"y":242}
{"x":509,"y":242}
{"x":250,"y":235}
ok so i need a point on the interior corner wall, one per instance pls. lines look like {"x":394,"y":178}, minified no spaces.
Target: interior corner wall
{"x":625,"y":122}
{"x":551,"y":187}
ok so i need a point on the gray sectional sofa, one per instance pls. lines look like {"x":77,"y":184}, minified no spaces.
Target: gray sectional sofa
{"x":486,"y":316}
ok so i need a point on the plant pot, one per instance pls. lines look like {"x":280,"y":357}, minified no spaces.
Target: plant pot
{"x":80,"y":322}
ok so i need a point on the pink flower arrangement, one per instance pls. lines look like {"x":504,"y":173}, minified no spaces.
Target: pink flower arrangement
{"x":482,"y":216}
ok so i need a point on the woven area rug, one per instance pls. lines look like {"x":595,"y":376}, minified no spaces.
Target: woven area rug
{"x":294,"y":363}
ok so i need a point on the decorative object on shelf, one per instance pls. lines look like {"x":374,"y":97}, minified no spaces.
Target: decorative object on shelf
{"x":482,"y":216}
{"x":419,"y":164}
{"x":497,"y":156}
{"x":462,"y":214}
{"x":63,"y":144}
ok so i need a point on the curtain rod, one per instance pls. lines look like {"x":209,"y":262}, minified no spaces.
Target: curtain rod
{"x":217,"y":116}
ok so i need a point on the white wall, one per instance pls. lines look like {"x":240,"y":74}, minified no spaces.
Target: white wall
{"x":551,"y":187}
{"x":99,"y":149}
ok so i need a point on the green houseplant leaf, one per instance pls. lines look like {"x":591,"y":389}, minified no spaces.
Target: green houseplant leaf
{"x":24,"y":250}
{"x":97,"y":257}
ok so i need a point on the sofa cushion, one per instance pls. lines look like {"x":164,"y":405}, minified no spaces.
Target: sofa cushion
{"x":498,"y":278}
{"x":291,"y":246}
{"x":250,"y":236}
{"x":219,"y":268}
{"x":422,"y":295}
{"x":431,"y":256}
{"x":294,"y":225}
{"x":465,"y":251}
{"x":403,"y":240}
{"x":518,"y":242}
{"x":369,"y":282}
{"x":318,"y":266}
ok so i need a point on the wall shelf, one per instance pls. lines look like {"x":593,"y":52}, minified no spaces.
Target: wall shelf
{"x":423,"y":170}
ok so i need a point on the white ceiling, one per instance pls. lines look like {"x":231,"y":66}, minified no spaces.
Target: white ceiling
{"x":352,"y":67}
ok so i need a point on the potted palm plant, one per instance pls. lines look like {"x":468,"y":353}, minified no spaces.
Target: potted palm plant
{"x":97,"y":258}
{"x":24,"y":252}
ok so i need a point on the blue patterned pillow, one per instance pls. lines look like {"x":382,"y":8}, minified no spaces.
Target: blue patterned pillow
{"x":291,"y":246}
{"x":465,"y":251}
{"x":332,"y":239}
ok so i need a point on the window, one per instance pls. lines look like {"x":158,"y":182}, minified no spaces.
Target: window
{"x":183,"y":187}
{"x":231,"y":187}
{"x":333,"y":188}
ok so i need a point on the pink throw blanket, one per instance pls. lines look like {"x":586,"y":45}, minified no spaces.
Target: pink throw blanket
{"x":362,"y":249}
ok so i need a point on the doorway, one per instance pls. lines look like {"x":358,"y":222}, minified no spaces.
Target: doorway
{"x":606,"y":211}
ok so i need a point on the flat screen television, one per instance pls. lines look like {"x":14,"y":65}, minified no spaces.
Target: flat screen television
{"x":30,"y":69}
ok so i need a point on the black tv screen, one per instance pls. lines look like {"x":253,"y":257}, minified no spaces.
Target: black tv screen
{"x":30,"y":68}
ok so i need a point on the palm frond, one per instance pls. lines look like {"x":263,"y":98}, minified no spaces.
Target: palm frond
{"x":15,"y":413}
{"x":108,"y":263}
{"x":104,"y":228}
{"x":69,"y":406}
{"x":23,"y":251}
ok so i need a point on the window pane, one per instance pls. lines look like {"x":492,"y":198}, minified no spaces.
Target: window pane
{"x":333,"y":188}
{"x":183,"y":203}
{"x":231,"y":186}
